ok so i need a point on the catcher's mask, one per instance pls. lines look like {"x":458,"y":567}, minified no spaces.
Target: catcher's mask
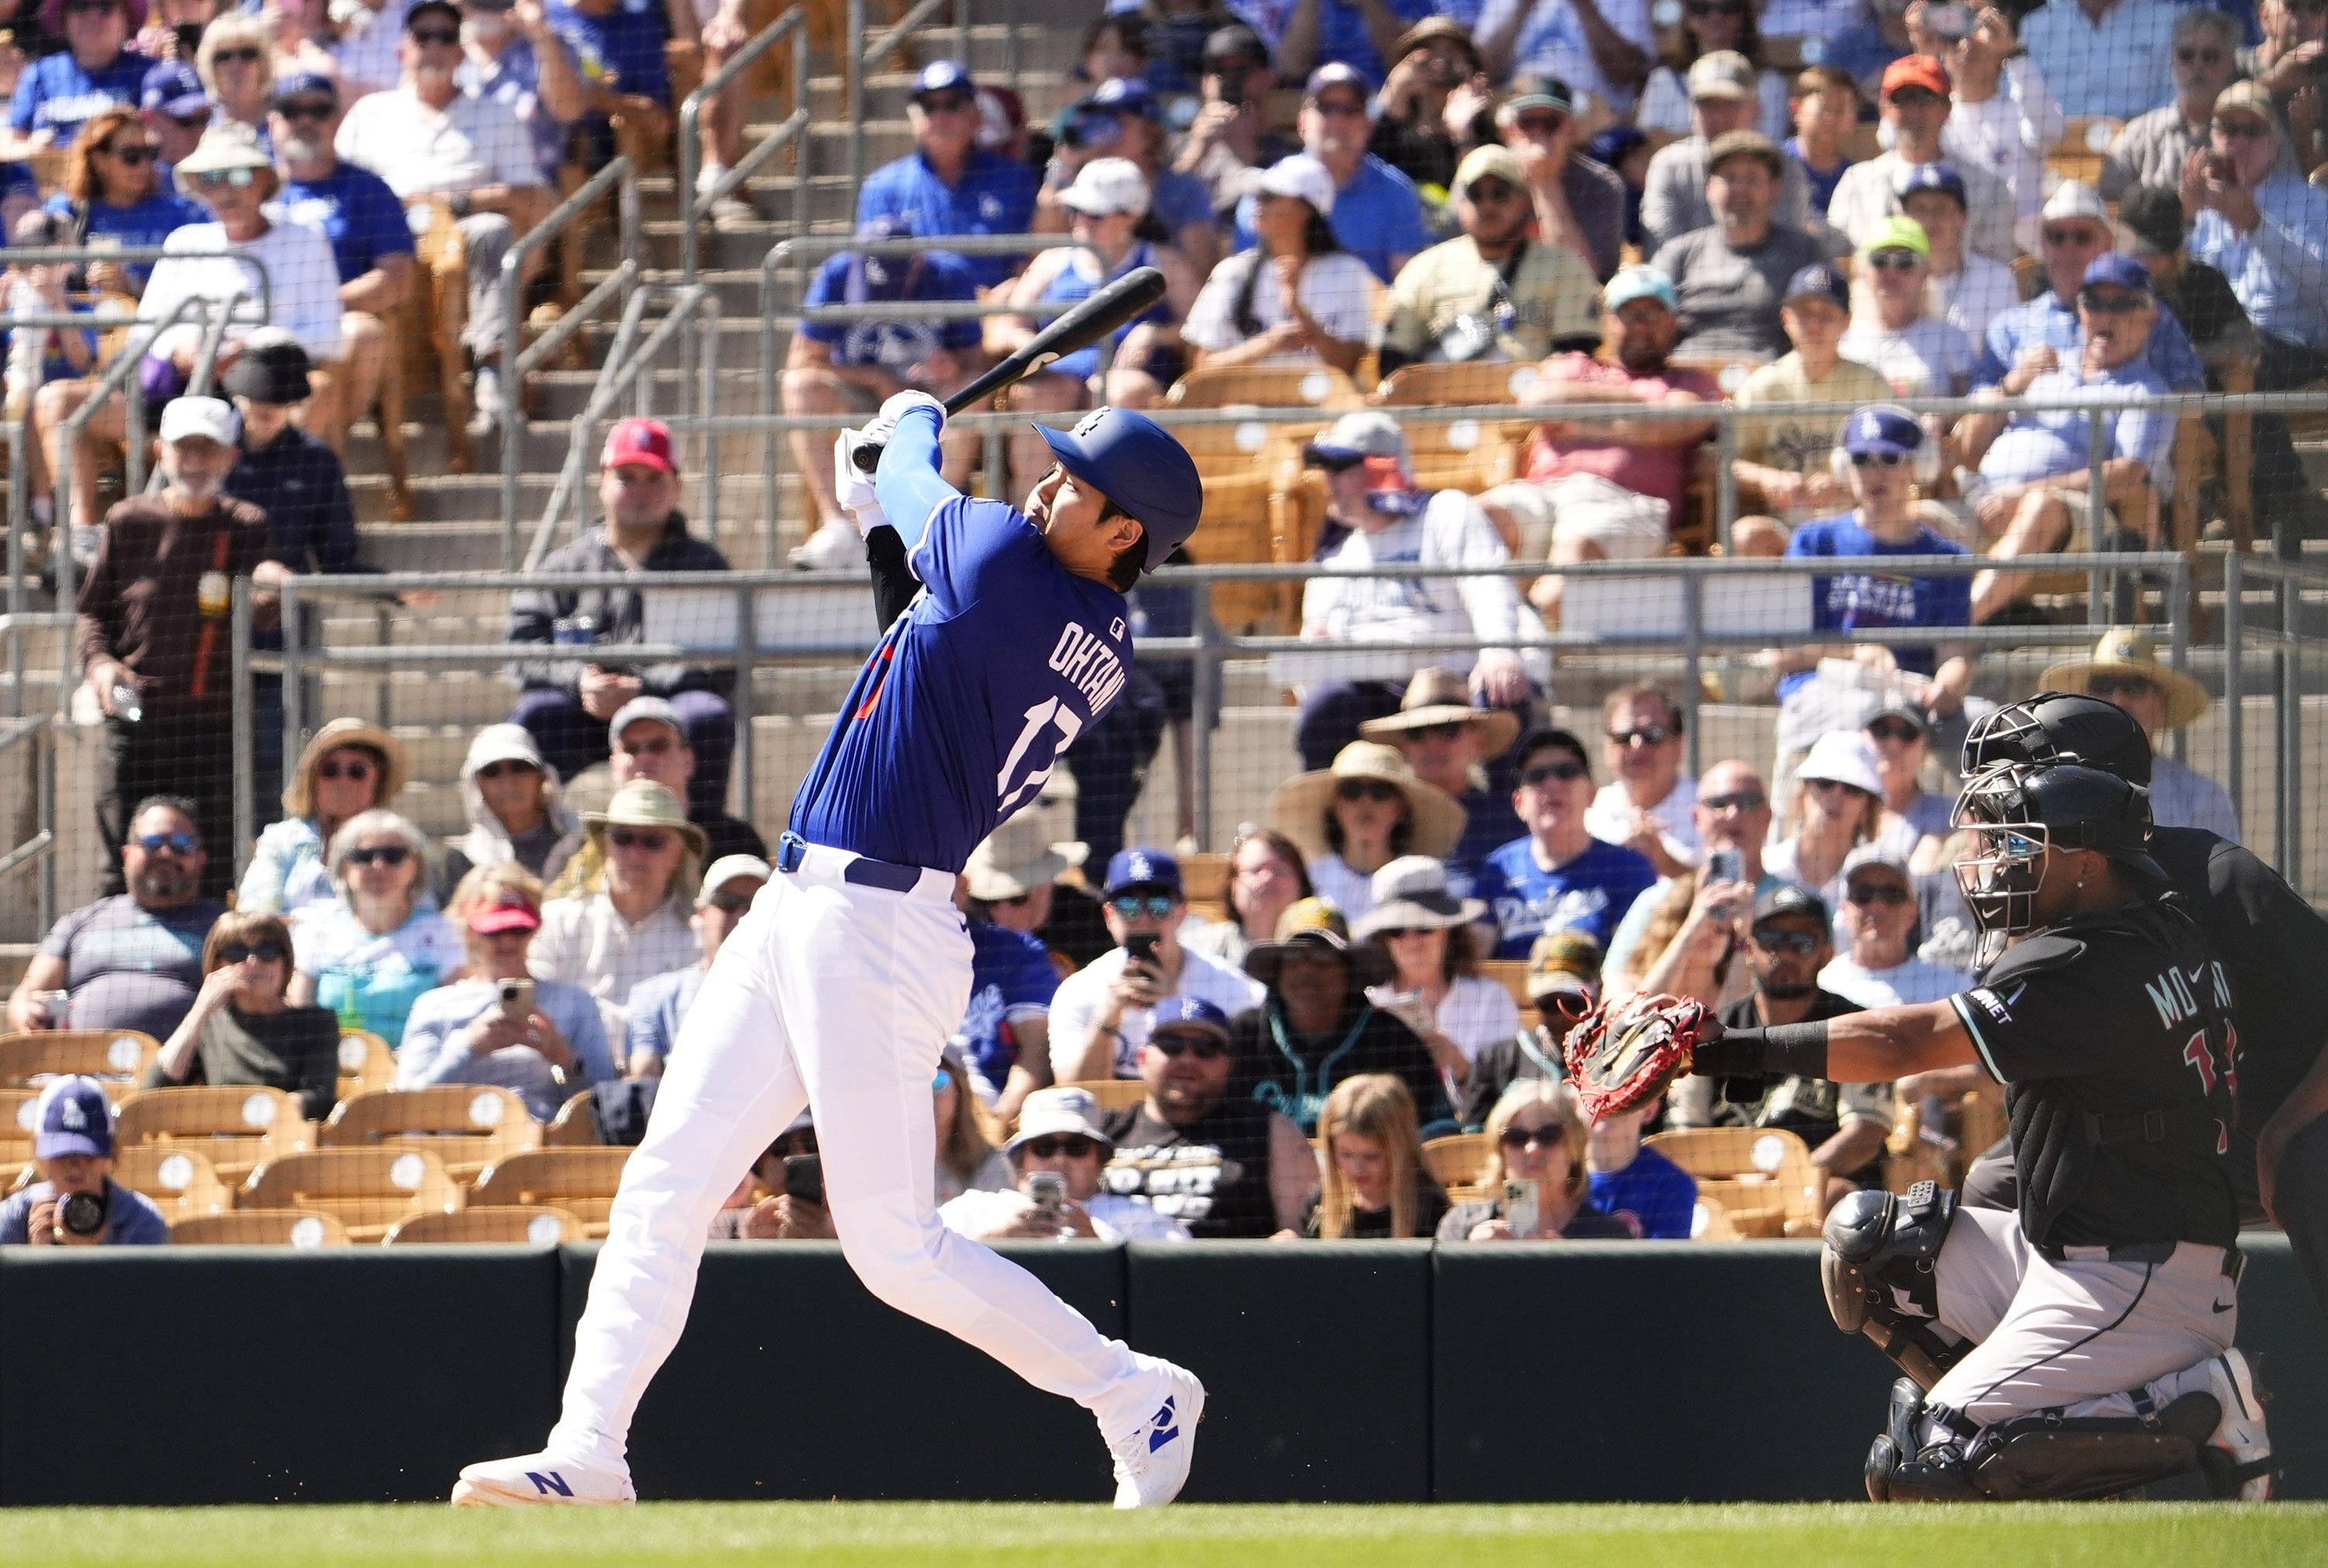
{"x":2058,"y":726}
{"x":2017,"y":812}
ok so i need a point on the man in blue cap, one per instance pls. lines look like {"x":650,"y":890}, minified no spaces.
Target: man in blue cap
{"x":75,"y":1203}
{"x":838,"y":990}
{"x":949,"y":185}
{"x":2035,"y":495}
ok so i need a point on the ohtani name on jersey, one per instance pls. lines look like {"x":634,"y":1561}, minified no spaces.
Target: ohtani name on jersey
{"x":1089,"y":664}
{"x":2175,"y":992}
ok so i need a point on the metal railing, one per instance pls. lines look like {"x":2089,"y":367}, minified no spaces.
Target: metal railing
{"x":622,"y":175}
{"x":864,"y":52}
{"x":39,"y":848}
{"x":2279,"y":640}
{"x":694,"y":207}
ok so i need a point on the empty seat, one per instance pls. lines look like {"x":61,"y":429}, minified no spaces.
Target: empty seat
{"x":580,"y":1180}
{"x":1456,"y":1159}
{"x":1112,"y":1094}
{"x":515,"y":1225}
{"x":368,"y":1188}
{"x":30,"y":1059}
{"x":365,"y":1063}
{"x":261,"y":1227}
{"x":1763,"y":1176}
{"x":180,"y":1182}
{"x":238,"y":1126}
{"x":576,"y":1125}
{"x":18,"y":1126}
{"x":468,"y":1125}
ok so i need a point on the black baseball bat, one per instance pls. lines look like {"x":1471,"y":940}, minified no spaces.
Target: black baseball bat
{"x":1085,"y":322}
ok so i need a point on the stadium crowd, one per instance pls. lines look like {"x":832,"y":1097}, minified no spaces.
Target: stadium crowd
{"x":1806,"y":201}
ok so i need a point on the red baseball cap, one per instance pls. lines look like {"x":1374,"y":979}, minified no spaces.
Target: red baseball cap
{"x":1916,"y":70}
{"x":646,"y":441}
{"x":509,"y":912}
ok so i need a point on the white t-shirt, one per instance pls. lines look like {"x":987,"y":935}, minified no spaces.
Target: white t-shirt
{"x":1613,"y":814}
{"x":1080,"y":1001}
{"x":1349,"y":891}
{"x":1450,"y":529}
{"x":1976,"y":295}
{"x":1551,"y":41}
{"x":1901,"y":985}
{"x":1336,"y":288}
{"x":420,"y":151}
{"x":1928,"y":357}
{"x":1475,"y":1013}
{"x":1112,"y":1217}
{"x":302,"y":288}
{"x":370,"y":60}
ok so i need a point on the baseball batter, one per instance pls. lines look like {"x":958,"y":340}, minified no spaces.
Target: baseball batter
{"x":2081,"y":1346}
{"x":839,"y":987}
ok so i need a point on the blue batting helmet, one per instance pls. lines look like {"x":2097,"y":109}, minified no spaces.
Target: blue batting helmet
{"x":1135,"y":463}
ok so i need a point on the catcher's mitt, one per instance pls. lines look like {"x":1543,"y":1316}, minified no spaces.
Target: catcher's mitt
{"x":1622,"y":1056}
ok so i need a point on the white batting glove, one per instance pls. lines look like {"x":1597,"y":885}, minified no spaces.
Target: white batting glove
{"x":853,"y":486}
{"x":895,"y":408}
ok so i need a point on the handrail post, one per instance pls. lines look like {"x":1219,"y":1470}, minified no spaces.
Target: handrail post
{"x":1204,"y":698}
{"x":2234,"y":683}
{"x":295,"y":682}
{"x":1692,"y":632}
{"x":2290,"y":848}
{"x":854,"y":87}
{"x":748,"y":669}
{"x":2178,"y":639}
{"x":244,"y":814}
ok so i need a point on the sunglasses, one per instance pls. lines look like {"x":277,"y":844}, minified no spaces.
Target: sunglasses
{"x":1877,"y":893}
{"x":1740,"y":801}
{"x":1540,"y":125}
{"x":1714,"y":8}
{"x":2107,"y":687}
{"x":191,"y":122}
{"x":1068,"y":1145}
{"x":505,"y":769}
{"x":1897,"y":730}
{"x":946,"y":103}
{"x":1565,"y":772}
{"x":730,"y":903}
{"x":1344,"y":107}
{"x":436,"y":36}
{"x":1204,"y":1047}
{"x":381,"y":854}
{"x":1399,"y":932}
{"x":1915,"y":98}
{"x":2080,"y":236}
{"x":353,"y":772}
{"x":217,"y":179}
{"x":265,"y":951}
{"x":2111,"y":303}
{"x":1878,"y":459}
{"x":1895,"y":261}
{"x":1551,"y":1135}
{"x":235,"y":57}
{"x":1139,"y":906}
{"x":1829,"y":785}
{"x":1798,"y":943}
{"x":1367,"y":789}
{"x":1436,"y":732}
{"x":131,"y":156}
{"x":647,"y":839}
{"x":2243,"y":130}
{"x":306,"y":108}
{"x":1491,"y":190}
{"x":2201,"y":56}
{"x":92,"y":8}
{"x":1647,"y":735}
{"x":167,"y":843}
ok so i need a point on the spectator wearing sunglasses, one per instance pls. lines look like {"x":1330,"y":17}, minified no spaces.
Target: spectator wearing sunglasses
{"x":2154,"y":146}
{"x":373,"y":953}
{"x":1102,"y":1013}
{"x":1536,"y":1139}
{"x":238,"y":69}
{"x":1221,"y":1165}
{"x":1559,"y":875}
{"x":1449,"y":745}
{"x":1059,"y":1133}
{"x":2125,"y":670}
{"x":659,"y":1003}
{"x":176,"y":109}
{"x":1838,"y":807}
{"x":1355,"y":817}
{"x":241,"y":1030}
{"x":618,"y":913}
{"x":1648,"y":805}
{"x":1915,"y":820}
{"x":95,"y":70}
{"x":1582,"y":204}
{"x":1788,"y":944}
{"x":1877,"y":967}
{"x":348,"y":767}
{"x":516,"y":809}
{"x":133,"y":960}
{"x":949,"y":185}
{"x":1563,"y":981}
{"x":1681,"y":937}
{"x":1430,"y":938}
{"x":653,"y":739}
{"x":542,"y":1039}
{"x":114,"y":190}
{"x":1917,"y":354}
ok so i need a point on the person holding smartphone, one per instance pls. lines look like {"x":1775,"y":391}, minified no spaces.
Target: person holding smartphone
{"x":1535,"y":1164}
{"x":1059,"y":1154}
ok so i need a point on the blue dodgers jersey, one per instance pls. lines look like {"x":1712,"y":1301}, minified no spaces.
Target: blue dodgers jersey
{"x":1010,"y":973}
{"x":1003,"y":659}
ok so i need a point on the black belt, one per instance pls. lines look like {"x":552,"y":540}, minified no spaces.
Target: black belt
{"x":2138,"y":1253}
{"x":863,"y":870}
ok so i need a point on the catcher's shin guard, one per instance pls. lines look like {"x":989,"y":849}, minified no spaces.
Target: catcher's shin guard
{"x":1877,"y":1265}
{"x":2068,"y":1457}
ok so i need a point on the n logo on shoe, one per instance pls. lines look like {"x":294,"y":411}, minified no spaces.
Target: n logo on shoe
{"x":1164,"y":1429}
{"x":551,"y":1482}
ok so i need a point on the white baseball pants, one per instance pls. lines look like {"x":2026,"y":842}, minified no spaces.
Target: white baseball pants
{"x":2076,"y":1334}
{"x":840,"y":998}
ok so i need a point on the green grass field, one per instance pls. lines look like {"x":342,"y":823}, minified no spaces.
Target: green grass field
{"x":2117,"y":1535}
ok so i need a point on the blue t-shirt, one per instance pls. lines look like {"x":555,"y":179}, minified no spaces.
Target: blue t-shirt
{"x":1011,"y":977}
{"x":622,"y":50}
{"x":896,"y":346}
{"x":55,"y":94}
{"x":1488,"y":823}
{"x":976,"y":690}
{"x":1821,"y":185}
{"x":131,"y":1220}
{"x":996,"y":195}
{"x":1853,"y":601}
{"x":1342,"y":35}
{"x":357,"y":212}
{"x":1653,"y":1197}
{"x":1590,"y":893}
{"x":1376,"y":216}
{"x":2046,"y":320}
{"x":657,"y":1007}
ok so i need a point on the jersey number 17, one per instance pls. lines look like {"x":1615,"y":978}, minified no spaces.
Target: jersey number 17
{"x":1047,"y":714}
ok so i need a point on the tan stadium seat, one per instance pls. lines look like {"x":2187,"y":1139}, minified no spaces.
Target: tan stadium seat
{"x":1244,"y":467}
{"x":1456,"y":1159}
{"x":365,"y":1063}
{"x":1710,"y":1222}
{"x":1511,"y":973}
{"x":536,"y":1224}
{"x":236,"y":1127}
{"x":1465,"y":454}
{"x":1205,"y":879}
{"x":1763,"y":1176}
{"x":368,"y":1188}
{"x":1112,"y":1094}
{"x":261,"y":1227}
{"x":469,"y":1126}
{"x":115,"y":1056}
{"x":580,"y":1180}
{"x":576,"y":1125}
{"x":1318,"y":386}
{"x":16,"y":1126}
{"x":179,"y":1181}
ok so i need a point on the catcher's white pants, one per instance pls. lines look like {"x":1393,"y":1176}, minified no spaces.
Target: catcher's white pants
{"x":2075,"y":1334}
{"x":839,"y":997}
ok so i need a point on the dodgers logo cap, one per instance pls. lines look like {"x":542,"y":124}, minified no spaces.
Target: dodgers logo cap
{"x":1188,"y":1012}
{"x":1882,"y":430}
{"x":1135,"y":463}
{"x":72,"y":1117}
{"x":1142,"y":868}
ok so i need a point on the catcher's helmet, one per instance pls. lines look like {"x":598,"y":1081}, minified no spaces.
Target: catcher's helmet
{"x":2060,"y":727}
{"x":2020,"y":811}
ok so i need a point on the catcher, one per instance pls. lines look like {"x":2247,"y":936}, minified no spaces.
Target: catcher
{"x":2082,"y":1346}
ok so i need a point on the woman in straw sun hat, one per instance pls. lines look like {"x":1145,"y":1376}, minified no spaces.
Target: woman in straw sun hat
{"x":350,"y":765}
{"x":1435,"y":982}
{"x":1355,"y":817}
{"x":1448,"y":743}
{"x":2125,"y":670}
{"x":619,"y":912}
